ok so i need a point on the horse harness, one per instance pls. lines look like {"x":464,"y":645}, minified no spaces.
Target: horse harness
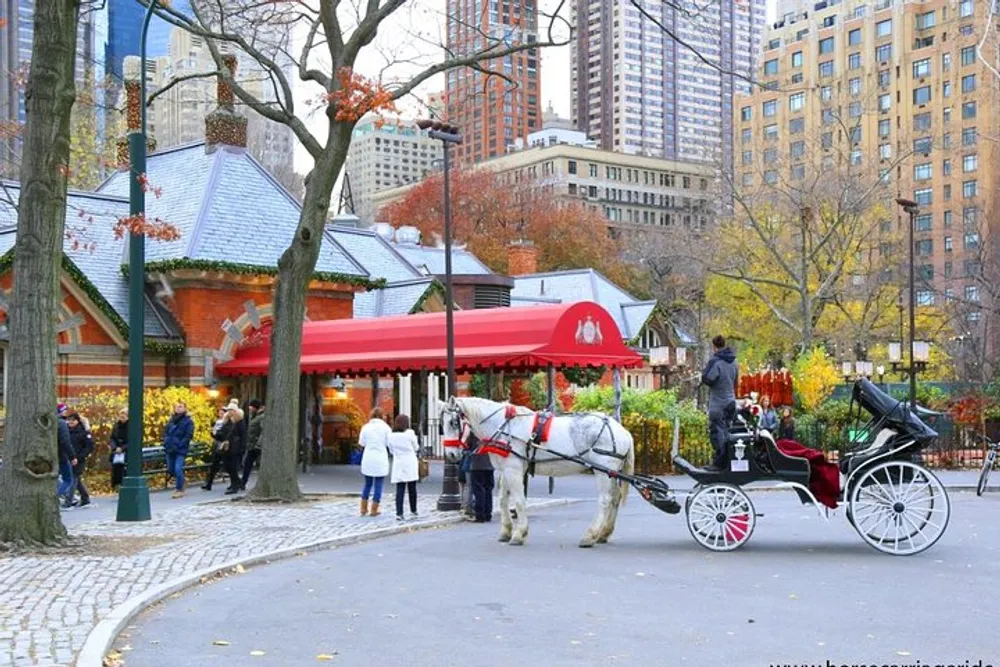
{"x":496,"y":444}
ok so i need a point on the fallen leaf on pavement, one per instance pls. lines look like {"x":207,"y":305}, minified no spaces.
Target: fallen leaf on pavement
{"x":325,"y":657}
{"x":902,"y":653}
{"x":257,"y":654}
{"x":793,"y":596}
{"x":239,"y":569}
{"x":220,"y":642}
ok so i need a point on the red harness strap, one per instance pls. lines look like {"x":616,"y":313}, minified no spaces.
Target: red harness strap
{"x":453,"y":443}
{"x":540,"y":431}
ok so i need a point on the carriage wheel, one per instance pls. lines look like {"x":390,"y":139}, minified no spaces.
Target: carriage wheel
{"x":984,"y":476}
{"x":720,"y":517}
{"x":899,"y":508}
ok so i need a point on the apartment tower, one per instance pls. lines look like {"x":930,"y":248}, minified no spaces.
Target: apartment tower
{"x":491,"y":111}
{"x":897,"y":85}
{"x":635,"y":90}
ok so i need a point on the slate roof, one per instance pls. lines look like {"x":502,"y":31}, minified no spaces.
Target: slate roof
{"x":430,"y":260}
{"x":226,"y":207}
{"x":400,"y":298}
{"x":629,"y":313}
{"x":90,"y":218}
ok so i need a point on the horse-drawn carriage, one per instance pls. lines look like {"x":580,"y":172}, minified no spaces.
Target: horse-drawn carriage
{"x":896,"y":505}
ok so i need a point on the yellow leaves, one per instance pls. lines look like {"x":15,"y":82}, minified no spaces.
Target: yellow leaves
{"x":815,"y":377}
{"x":101,"y":409}
{"x":220,"y":642}
{"x":325,"y":657}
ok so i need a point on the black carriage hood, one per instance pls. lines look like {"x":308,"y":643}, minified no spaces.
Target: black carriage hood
{"x":881,"y":404}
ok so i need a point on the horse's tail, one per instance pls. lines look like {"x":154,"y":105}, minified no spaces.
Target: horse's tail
{"x":628,"y":468}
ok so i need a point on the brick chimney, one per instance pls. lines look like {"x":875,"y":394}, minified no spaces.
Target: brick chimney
{"x":225,"y":127}
{"x":133,"y":110}
{"x":522,"y":258}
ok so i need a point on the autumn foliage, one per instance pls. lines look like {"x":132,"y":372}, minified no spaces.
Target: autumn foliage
{"x":357,"y":95}
{"x":488,"y":214}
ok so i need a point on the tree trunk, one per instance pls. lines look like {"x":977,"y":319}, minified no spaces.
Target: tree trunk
{"x":29,"y":511}
{"x":279,"y":449}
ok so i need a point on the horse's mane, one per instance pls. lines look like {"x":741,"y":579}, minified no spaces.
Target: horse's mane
{"x":479,"y":409}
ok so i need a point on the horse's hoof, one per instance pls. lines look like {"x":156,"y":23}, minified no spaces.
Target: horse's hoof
{"x":504,"y":538}
{"x":602,"y":540}
{"x":516,"y":542}
{"x":586,"y":544}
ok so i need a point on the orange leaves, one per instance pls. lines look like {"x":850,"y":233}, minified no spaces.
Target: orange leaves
{"x":10,"y":129}
{"x":3,"y":22}
{"x":147,"y":187}
{"x":357,"y":95}
{"x":156,"y":228}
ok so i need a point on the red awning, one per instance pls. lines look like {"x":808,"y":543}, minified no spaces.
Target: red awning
{"x":510,"y":339}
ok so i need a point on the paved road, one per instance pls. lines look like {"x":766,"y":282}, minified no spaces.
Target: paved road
{"x":800,"y":591}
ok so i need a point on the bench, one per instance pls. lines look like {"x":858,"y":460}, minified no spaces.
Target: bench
{"x":199,"y":458}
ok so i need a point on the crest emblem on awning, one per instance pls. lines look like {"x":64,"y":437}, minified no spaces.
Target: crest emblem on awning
{"x":588,"y":332}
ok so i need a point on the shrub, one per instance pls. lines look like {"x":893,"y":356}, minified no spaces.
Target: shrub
{"x":815,"y":378}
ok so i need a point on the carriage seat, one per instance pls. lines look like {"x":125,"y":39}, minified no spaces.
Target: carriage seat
{"x":789,"y":468}
{"x":852,"y":460}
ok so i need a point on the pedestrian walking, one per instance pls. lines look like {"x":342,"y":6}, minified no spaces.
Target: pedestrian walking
{"x":67,"y":458}
{"x":118,"y":446}
{"x":176,"y":445}
{"x":254,"y":429}
{"x":83,"y":446}
{"x":229,"y":445}
{"x":481,"y":481}
{"x":374,"y":441}
{"x":403,"y":446}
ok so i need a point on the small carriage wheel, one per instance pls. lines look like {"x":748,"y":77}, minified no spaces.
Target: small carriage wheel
{"x":720,"y":517}
{"x":899,"y":508}
{"x":984,"y":476}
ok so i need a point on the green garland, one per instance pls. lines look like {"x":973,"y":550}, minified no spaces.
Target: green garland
{"x":435,"y":288}
{"x":152,"y":345}
{"x":166,"y":265}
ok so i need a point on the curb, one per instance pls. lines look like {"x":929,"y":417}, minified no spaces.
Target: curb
{"x":101,"y":638}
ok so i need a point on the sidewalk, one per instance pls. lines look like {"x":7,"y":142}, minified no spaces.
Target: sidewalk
{"x":50,"y":604}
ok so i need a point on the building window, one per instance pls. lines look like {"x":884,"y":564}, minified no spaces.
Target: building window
{"x":968,"y":83}
{"x":747,"y":157}
{"x":826,"y":68}
{"x":968,"y":54}
{"x":971,"y":240}
{"x":854,"y":61}
{"x":797,"y":59}
{"x":797,"y":149}
{"x":854,"y":110}
{"x":883,"y":28}
{"x":826,"y":93}
{"x":924,"y":196}
{"x":796,"y":101}
{"x":746,"y":135}
{"x":949,"y":245}
{"x":770,"y":108}
{"x":747,"y":180}
{"x":798,"y":172}
{"x":947,"y":219}
{"x":854,"y":86}
{"x":924,"y":222}
{"x":921,"y":68}
{"x":854,"y":37}
{"x":572,"y":166}
{"x":796,"y":125}
{"x":946,"y":115}
{"x":972,"y":293}
{"x":883,"y":78}
{"x":925,"y":297}
{"x":922,"y":95}
{"x":965,"y":8}
{"x":946,"y":167}
{"x":827,"y":116}
{"x":593,"y":170}
{"x":827,"y":140}
{"x":771,"y":177}
{"x":770,"y":156}
{"x":826,"y":45}
{"x":771,"y":131}
{"x":970,"y":163}
{"x":969,"y":136}
{"x":946,"y":89}
{"x":922,"y":172}
{"x":945,"y":62}
{"x":855,"y":134}
{"x":746,"y":113}
{"x":883,"y":53}
{"x":925,"y":247}
{"x":922,"y":121}
{"x":884,"y":127}
{"x":855,"y":157}
{"x":884,"y":102}
{"x":926,"y":20}
{"x":771,"y":67}
{"x":884,"y":151}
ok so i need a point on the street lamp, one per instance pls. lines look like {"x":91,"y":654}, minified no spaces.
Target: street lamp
{"x":133,"y":499}
{"x":911,"y":208}
{"x":450,"y":498}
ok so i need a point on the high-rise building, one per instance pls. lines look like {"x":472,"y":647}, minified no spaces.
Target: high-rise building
{"x":124,"y":29}
{"x":179,"y":114}
{"x":385,"y":156}
{"x":897,"y":85}
{"x":491,"y":111}
{"x":635,"y":90}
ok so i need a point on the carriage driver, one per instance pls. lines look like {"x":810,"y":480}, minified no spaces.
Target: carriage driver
{"x":720,"y":375}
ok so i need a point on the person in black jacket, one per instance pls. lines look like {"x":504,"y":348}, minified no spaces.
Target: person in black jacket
{"x":118,"y":445}
{"x":481,"y":481}
{"x":67,"y":459}
{"x":230,"y":441}
{"x":83,"y":446}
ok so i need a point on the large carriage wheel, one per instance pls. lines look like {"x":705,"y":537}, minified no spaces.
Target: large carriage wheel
{"x":720,"y":517}
{"x":899,"y":508}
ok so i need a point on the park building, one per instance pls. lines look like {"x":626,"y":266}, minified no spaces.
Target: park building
{"x":209,"y":294}
{"x":895,"y":89}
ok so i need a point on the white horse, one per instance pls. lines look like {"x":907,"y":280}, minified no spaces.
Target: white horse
{"x":505,"y":430}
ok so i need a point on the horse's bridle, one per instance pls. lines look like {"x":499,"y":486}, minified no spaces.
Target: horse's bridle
{"x":494,"y":443}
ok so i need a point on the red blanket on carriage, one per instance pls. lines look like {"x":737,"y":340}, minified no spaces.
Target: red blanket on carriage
{"x":824,"y":477}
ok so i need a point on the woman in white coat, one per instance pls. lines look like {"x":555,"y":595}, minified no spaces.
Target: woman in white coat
{"x":405,"y":468}
{"x":374,"y":439}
